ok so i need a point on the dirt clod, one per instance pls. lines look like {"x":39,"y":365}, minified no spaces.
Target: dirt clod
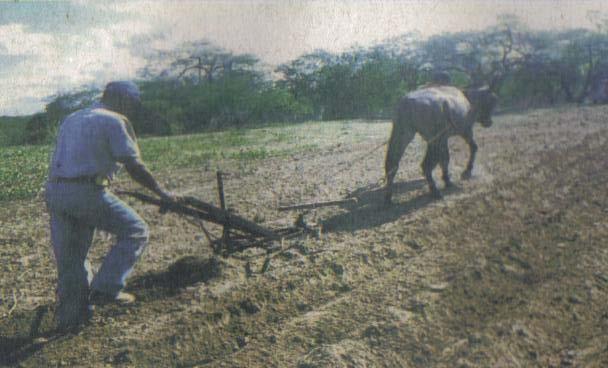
{"x":249,"y":306}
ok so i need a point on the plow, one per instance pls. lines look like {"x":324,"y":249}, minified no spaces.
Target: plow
{"x":238,"y":232}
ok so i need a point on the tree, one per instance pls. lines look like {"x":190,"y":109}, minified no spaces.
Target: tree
{"x":586,"y":58}
{"x":195,"y":62}
{"x":38,"y":129}
{"x":336,"y":92}
{"x":209,"y":61}
{"x":301,"y":77}
{"x":41,"y":128}
{"x":486,"y":57}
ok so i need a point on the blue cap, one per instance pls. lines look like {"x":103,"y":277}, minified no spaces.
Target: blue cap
{"x":122,"y":89}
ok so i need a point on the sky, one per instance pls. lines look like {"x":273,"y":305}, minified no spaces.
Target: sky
{"x":51,"y":47}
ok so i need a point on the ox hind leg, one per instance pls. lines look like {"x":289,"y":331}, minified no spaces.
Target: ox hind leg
{"x":444,"y":162}
{"x":401,"y":136}
{"x":468,"y":137}
{"x":436,"y":152}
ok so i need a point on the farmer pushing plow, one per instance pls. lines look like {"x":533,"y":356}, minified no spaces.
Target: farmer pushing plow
{"x":91,"y":145}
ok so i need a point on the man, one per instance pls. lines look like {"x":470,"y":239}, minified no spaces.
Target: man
{"x":92,"y":144}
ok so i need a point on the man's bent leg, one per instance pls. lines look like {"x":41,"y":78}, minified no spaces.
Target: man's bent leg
{"x":132,"y":237}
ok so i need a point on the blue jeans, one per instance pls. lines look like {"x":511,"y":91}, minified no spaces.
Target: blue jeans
{"x":76,"y":210}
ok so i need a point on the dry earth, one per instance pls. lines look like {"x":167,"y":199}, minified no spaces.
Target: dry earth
{"x":508,"y":270}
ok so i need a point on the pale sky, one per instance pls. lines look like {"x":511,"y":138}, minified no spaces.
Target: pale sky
{"x":54,"y":46}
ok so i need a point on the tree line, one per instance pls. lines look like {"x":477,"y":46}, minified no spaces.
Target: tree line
{"x":199,"y":86}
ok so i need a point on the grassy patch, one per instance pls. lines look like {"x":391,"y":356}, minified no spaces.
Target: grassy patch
{"x":24,"y":168}
{"x":23,"y":171}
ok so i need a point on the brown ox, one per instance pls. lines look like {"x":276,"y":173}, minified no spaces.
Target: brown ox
{"x":437,"y":113}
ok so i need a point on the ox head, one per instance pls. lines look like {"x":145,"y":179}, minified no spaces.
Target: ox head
{"x":483,"y":101}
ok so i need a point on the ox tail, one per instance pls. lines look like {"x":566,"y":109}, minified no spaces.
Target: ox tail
{"x":402,"y":134}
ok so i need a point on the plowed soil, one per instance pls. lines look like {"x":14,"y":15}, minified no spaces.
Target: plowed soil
{"x":510,"y":269}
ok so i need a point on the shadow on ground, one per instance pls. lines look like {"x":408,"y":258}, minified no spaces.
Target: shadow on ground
{"x":370,"y":210}
{"x":20,"y":335}
{"x":16,"y":349}
{"x":27,"y":332}
{"x":184,"y":272}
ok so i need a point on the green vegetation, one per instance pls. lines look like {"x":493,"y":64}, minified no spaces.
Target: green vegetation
{"x":23,"y":171}
{"x":24,"y":168}
{"x":12,"y":130}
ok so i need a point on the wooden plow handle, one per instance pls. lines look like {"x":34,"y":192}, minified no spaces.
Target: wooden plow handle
{"x":194,"y":207}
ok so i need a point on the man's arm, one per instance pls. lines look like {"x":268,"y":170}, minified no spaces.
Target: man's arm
{"x":139,"y":172}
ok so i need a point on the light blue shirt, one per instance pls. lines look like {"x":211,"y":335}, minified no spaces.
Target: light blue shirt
{"x":92,"y":142}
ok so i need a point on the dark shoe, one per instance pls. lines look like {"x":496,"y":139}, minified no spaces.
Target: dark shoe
{"x":75,"y":324}
{"x":70,"y":327}
{"x":99,"y":298}
{"x":71,"y":319}
{"x":436,"y":194}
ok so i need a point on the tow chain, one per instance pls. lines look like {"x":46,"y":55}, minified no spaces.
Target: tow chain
{"x":349,"y":164}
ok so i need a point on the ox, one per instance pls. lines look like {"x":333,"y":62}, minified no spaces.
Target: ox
{"x":437,"y":113}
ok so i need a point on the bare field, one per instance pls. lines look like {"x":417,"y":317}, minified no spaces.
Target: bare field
{"x":510,"y":269}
